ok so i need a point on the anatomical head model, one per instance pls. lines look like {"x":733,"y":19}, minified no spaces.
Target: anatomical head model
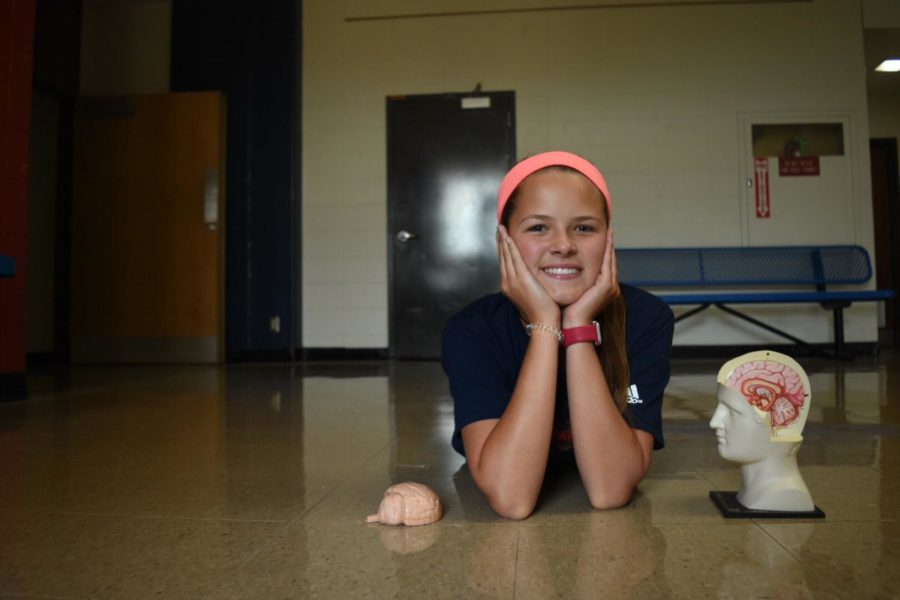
{"x":763,"y":401}
{"x":774,"y":384}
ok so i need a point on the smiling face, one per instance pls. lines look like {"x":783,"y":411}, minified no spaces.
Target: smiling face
{"x":559,"y":225}
{"x":742,"y":432}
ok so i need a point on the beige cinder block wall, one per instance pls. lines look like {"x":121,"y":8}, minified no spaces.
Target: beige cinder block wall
{"x":657,"y":96}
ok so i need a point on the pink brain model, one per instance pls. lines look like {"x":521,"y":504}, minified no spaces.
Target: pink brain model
{"x":408,"y":503}
{"x":771,"y":387}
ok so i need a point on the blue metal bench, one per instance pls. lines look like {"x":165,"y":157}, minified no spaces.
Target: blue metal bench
{"x":7,"y":266}
{"x":775,"y":268}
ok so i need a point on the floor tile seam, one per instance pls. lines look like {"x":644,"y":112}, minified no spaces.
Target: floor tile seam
{"x":515,"y":575}
{"x":341,"y":482}
{"x":99,"y":387}
{"x":51,"y":474}
{"x":145,"y":517}
{"x":807,"y":567}
{"x":181,"y":472}
{"x":669,"y":475}
{"x":4,"y":596}
{"x":548,"y":527}
{"x":347,"y":524}
{"x":826,"y":522}
{"x":302,"y":516}
{"x":712,"y":484}
{"x":386,"y":446}
{"x":697,"y":522}
{"x":716,"y":518}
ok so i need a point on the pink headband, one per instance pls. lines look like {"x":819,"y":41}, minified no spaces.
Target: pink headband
{"x":549,"y":159}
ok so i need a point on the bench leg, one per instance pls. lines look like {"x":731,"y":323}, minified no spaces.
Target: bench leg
{"x":776,"y":331}
{"x":692,"y":312}
{"x":837,"y":308}
{"x":839,"y":331}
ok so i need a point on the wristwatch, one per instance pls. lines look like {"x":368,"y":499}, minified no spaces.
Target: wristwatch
{"x":582,"y":333}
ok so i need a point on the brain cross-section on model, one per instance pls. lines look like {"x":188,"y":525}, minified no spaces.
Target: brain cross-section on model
{"x":771,"y":387}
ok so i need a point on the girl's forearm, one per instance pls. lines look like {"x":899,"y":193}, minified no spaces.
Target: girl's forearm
{"x":513,"y":459}
{"x":610,"y":459}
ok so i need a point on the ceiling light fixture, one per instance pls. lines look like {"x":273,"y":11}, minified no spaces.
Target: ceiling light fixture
{"x":891,"y":65}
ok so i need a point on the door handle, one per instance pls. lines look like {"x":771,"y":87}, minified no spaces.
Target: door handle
{"x":211,"y":199}
{"x":404,"y":236}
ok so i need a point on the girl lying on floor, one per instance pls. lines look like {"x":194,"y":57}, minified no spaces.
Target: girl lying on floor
{"x":564,"y":363}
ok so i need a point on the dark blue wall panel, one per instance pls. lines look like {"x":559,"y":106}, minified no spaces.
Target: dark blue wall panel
{"x":251,"y":51}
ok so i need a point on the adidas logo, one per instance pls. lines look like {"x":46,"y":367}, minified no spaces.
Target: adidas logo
{"x":633,"y":397}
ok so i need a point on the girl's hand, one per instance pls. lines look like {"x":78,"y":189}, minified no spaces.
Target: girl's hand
{"x":519,"y":285}
{"x":598,"y":296}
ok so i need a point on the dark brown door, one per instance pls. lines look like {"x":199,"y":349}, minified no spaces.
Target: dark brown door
{"x":447,"y":154}
{"x":886,"y":212}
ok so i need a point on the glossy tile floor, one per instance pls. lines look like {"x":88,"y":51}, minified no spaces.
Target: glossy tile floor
{"x":253,"y":482}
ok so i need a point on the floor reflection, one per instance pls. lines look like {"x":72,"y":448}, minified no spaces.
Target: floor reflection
{"x":254,"y":480}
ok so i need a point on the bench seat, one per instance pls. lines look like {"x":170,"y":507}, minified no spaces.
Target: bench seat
{"x":716,"y":277}
{"x":776,"y":297}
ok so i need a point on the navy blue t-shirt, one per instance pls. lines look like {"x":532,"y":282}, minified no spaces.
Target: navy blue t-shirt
{"x":484,"y":346}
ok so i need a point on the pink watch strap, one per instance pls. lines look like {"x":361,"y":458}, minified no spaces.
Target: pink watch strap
{"x":582,"y":333}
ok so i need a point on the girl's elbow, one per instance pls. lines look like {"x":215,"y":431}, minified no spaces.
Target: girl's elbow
{"x":609,"y":499}
{"x":512,"y":507}
{"x":506,"y":499}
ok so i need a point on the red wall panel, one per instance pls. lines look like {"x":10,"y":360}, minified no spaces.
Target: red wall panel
{"x":16,"y":58}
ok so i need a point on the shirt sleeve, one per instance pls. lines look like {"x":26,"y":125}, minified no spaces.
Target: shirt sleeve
{"x":648,"y":360}
{"x":478,"y":382}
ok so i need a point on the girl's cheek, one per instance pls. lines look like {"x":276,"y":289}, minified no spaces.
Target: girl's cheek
{"x":526,"y":250}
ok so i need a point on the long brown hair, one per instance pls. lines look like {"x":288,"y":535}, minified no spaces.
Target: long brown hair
{"x":613,"y":351}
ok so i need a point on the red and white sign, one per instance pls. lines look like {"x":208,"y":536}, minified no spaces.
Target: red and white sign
{"x":795,"y":166}
{"x":761,"y":170}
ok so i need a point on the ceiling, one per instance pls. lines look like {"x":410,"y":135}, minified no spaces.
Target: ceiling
{"x":881,"y":44}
